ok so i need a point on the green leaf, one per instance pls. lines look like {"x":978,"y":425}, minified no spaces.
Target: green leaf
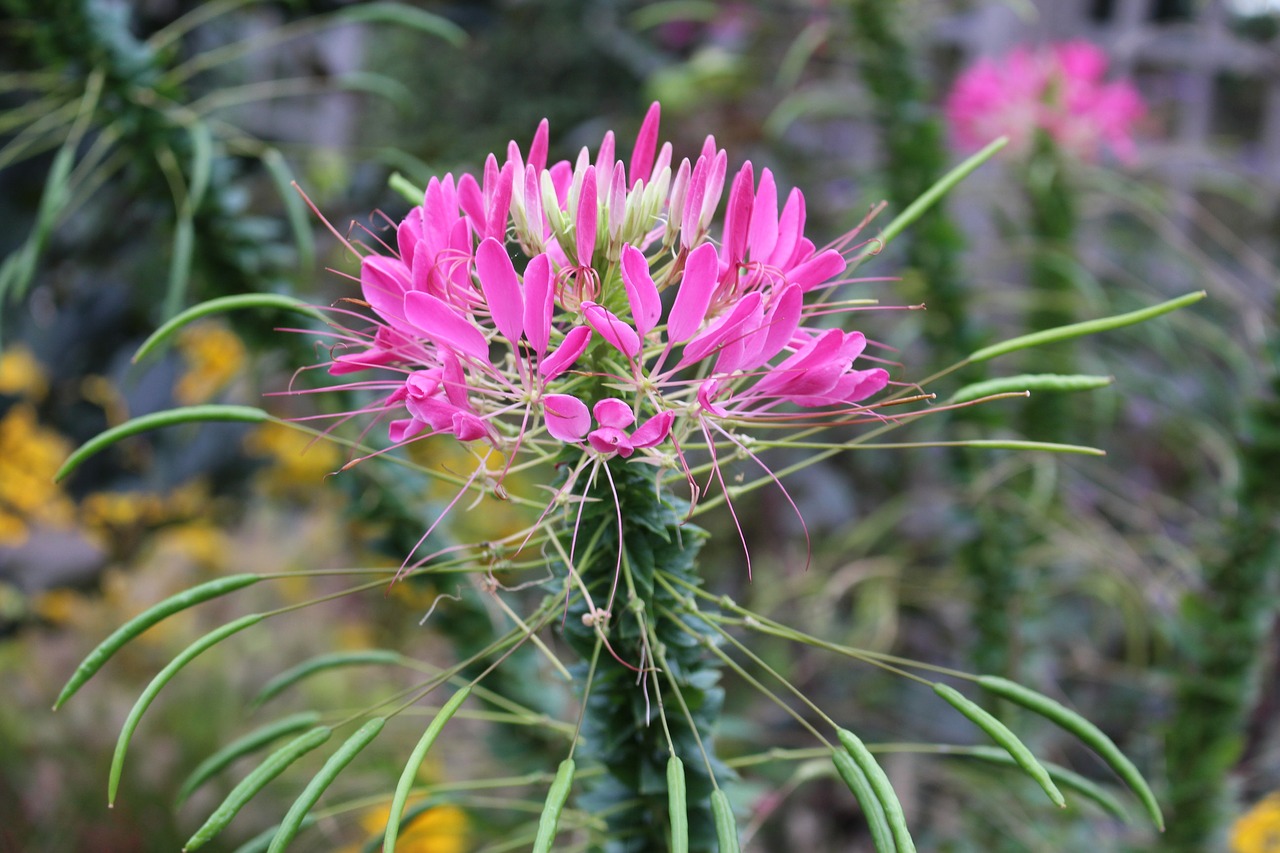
{"x":296,"y":212}
{"x":144,"y":423}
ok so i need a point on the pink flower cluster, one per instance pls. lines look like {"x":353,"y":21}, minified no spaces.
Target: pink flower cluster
{"x":1058,"y":90}
{"x":543,"y":306}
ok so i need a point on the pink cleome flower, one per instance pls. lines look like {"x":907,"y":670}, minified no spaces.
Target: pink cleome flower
{"x":1059,"y":90}
{"x":570,"y":344}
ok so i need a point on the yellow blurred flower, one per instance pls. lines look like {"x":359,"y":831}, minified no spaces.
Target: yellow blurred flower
{"x":29,"y":457}
{"x":21,"y":375}
{"x":1258,"y":830}
{"x":442,"y":829}
{"x":298,"y":461}
{"x":214,"y":355}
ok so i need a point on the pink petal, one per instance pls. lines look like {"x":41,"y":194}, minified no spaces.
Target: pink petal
{"x":567,"y":417}
{"x":790,"y":229}
{"x":471,"y":199}
{"x":610,"y":440}
{"x":569,"y":351}
{"x":499,"y":202}
{"x":642,"y":293}
{"x":538,"y":148}
{"x":501,"y":288}
{"x":612,"y":412}
{"x":693,"y":202}
{"x":764,"y":218}
{"x":654,"y":431}
{"x":721,"y":330}
{"x":737,"y":217}
{"x":715,"y":187}
{"x":384,"y":282}
{"x":404,"y":429}
{"x":468,"y":427}
{"x":646,"y":144}
{"x":605,"y":155}
{"x":707,"y":393}
{"x":587,"y":218}
{"x":445,"y":327}
{"x":821,"y":268}
{"x":781,"y":322}
{"x":539,"y":303}
{"x":617,"y":200}
{"x":612,"y":328}
{"x":694,"y":294}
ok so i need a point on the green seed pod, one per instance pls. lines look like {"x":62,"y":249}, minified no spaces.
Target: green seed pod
{"x":554,"y":806}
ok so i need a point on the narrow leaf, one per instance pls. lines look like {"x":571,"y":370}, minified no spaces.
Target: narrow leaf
{"x":275,"y":764}
{"x":221,"y":305}
{"x":557,"y":796}
{"x":144,"y":620}
{"x":406,"y":17}
{"x":862,"y":791}
{"x":184,"y":237}
{"x":677,"y":806}
{"x":1088,"y":733}
{"x":336,"y":764}
{"x":1088,"y":327}
{"x":883,"y":789}
{"x":1053,"y":382}
{"x":187,"y":655}
{"x":295,"y":210}
{"x":155,"y":420}
{"x":419,"y":753}
{"x":201,"y":163}
{"x":242,"y":746}
{"x":726,"y":824}
{"x":408,"y":190}
{"x":1001,"y":734}
{"x":307,"y":668}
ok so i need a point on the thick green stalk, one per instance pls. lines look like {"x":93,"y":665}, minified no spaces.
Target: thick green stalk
{"x":1052,"y":221}
{"x":1224,"y":642}
{"x":621,"y":730}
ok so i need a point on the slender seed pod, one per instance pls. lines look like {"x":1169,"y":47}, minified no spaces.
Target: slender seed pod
{"x":883,"y":789}
{"x":401,"y":795}
{"x":861,"y":789}
{"x":1001,"y":734}
{"x":144,"y":620}
{"x":254,"y":740}
{"x":1065,"y":778}
{"x":1051,"y":382}
{"x":1088,"y":733}
{"x":336,"y":764}
{"x":554,"y":807}
{"x":153,"y":689}
{"x":291,"y":676}
{"x":144,"y":423}
{"x":679,"y":808}
{"x":1088,"y":327}
{"x":275,"y":764}
{"x":726,"y":825}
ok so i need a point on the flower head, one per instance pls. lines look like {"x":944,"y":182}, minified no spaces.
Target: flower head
{"x":1059,"y":90}
{"x":614,"y":324}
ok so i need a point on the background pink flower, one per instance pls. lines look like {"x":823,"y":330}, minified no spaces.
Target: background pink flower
{"x":1058,"y":90}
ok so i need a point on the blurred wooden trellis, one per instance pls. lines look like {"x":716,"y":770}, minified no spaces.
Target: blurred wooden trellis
{"x":1180,"y":50}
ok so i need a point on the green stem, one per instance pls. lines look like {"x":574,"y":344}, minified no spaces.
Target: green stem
{"x":645,"y":642}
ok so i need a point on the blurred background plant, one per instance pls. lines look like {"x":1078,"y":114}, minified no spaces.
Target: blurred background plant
{"x":145,"y":155}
